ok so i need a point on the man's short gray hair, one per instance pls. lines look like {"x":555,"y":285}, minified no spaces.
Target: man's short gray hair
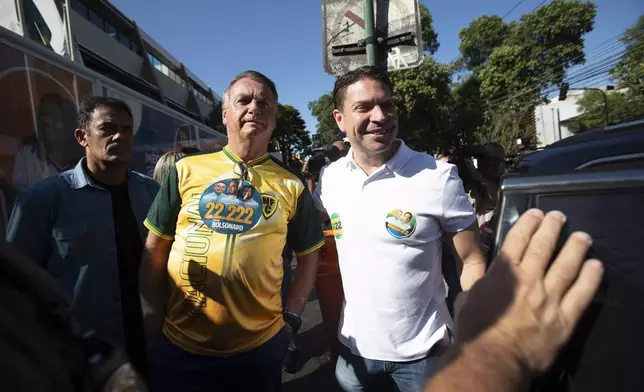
{"x":252,"y":75}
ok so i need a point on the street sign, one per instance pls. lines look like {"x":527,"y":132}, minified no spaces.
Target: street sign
{"x":398,"y":32}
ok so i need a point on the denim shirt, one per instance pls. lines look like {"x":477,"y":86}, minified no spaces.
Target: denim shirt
{"x":64,"y":223}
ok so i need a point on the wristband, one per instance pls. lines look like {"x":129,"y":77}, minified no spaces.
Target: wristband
{"x":294,"y":320}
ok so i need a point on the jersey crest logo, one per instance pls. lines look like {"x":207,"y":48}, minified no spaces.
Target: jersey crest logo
{"x":269,"y":205}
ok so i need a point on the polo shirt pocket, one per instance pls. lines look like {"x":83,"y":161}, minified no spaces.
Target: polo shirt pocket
{"x":71,"y":243}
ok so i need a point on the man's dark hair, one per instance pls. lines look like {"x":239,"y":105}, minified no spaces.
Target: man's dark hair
{"x":252,"y":75}
{"x":88,"y":106}
{"x":349,"y":78}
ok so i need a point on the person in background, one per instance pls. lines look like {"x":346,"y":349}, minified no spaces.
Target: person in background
{"x":85,"y":227}
{"x":52,"y":149}
{"x":163,"y":164}
{"x":395,"y":322}
{"x":491,"y":167}
{"x":522,"y":312}
{"x":211,"y":279}
{"x":338,"y":150}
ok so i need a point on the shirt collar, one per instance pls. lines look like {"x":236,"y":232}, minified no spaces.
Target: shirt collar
{"x":80,"y":178}
{"x":395,"y":163}
{"x":233,"y":157}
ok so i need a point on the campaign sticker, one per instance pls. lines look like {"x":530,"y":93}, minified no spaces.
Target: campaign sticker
{"x":231,"y":206}
{"x":336,"y":226}
{"x":400,"y":224}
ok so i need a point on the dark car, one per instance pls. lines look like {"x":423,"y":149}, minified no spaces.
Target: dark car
{"x":597,"y":179}
{"x":617,"y":146}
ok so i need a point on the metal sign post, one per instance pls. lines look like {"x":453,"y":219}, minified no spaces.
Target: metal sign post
{"x":382,"y":33}
{"x":370,"y":33}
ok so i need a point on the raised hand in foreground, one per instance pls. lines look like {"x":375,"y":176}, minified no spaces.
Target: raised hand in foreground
{"x":519,"y":315}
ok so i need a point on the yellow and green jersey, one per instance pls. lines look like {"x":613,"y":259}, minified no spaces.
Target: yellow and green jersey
{"x":229,"y":221}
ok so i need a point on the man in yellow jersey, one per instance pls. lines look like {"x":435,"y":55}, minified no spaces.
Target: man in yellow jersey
{"x":212,"y":270}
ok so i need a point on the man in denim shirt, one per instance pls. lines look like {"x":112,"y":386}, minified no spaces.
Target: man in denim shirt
{"x":85,"y":226}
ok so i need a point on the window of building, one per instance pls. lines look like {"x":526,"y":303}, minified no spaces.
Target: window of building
{"x":37,"y":28}
{"x":96,"y":19}
{"x":135,"y":48}
{"x":111,"y":31}
{"x":79,"y":7}
{"x":125,"y":40}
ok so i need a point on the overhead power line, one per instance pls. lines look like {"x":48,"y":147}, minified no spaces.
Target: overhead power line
{"x":512,"y":9}
{"x":599,"y":64}
{"x":540,"y":4}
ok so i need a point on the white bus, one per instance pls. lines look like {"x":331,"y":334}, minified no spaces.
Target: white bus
{"x":39,"y":95}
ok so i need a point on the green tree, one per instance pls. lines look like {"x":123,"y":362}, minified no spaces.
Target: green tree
{"x":537,"y":52}
{"x":468,"y":115}
{"x":480,"y":38}
{"x":322,"y":109}
{"x":430,"y":37}
{"x":630,"y":70}
{"x":515,"y":62}
{"x":290,"y":131}
{"x":422,"y":96}
{"x":623,"y":106}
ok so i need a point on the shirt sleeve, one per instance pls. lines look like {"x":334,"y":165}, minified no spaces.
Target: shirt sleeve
{"x":29,"y":228}
{"x":458,"y":213}
{"x":164,"y":212}
{"x":304,"y":229}
{"x":317,"y":193}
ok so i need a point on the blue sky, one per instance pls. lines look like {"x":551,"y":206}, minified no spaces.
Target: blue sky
{"x":283,"y":38}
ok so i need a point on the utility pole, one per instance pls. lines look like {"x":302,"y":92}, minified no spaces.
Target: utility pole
{"x":370,"y":32}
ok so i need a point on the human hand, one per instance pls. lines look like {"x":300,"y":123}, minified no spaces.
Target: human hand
{"x":521,"y":308}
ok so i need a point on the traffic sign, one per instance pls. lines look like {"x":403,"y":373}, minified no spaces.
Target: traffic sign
{"x":398,"y":33}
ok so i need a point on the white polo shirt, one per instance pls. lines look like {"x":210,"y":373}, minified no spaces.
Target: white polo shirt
{"x":388,"y":228}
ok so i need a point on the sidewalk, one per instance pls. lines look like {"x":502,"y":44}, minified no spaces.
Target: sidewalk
{"x":315,"y":372}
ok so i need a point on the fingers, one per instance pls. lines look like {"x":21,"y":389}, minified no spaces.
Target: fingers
{"x":581,"y":293}
{"x":565,"y":268}
{"x":518,"y":238}
{"x":542,"y":245}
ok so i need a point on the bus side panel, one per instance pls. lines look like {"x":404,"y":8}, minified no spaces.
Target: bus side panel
{"x":38,"y":105}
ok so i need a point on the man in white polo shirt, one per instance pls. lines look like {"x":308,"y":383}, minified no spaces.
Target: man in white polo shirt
{"x":392,"y":207}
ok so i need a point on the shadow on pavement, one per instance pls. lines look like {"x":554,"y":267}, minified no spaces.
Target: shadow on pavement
{"x":310,"y":344}
{"x":321,"y":380}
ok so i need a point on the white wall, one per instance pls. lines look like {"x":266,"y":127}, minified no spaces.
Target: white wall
{"x":9,"y":16}
{"x":548,"y":118}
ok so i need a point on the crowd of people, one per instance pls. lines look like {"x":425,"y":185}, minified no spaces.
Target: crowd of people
{"x":185,"y":274}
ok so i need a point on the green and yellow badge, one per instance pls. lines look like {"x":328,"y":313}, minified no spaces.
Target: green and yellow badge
{"x":400,"y":224}
{"x":336,"y":226}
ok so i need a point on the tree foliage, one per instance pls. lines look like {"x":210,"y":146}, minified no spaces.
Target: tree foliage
{"x":290,"y":131}
{"x":480,"y":38}
{"x":467,"y":114}
{"x":630,"y":70}
{"x":623,"y":106}
{"x":322,"y":109}
{"x":422,"y":96}
{"x":430,"y":37}
{"x":514,"y":62}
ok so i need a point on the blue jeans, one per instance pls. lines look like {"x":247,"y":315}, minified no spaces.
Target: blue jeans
{"x":173,"y":369}
{"x":355,"y":373}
